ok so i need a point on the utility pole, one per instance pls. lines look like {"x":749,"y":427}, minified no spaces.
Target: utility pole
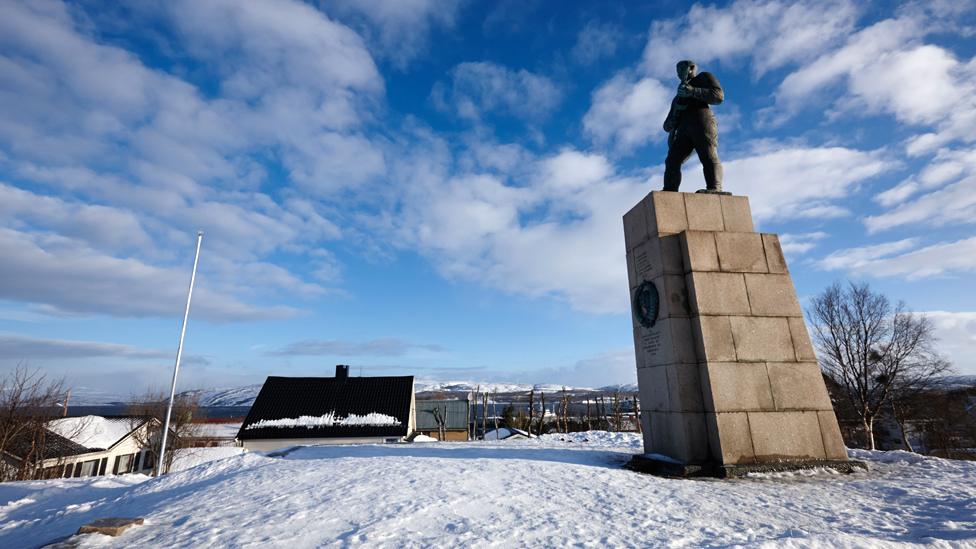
{"x":160,"y":467}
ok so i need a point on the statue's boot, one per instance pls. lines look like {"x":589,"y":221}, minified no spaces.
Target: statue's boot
{"x":713,"y":176}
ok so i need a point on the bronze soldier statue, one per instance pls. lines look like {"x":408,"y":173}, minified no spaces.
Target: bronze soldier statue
{"x":691,"y":126}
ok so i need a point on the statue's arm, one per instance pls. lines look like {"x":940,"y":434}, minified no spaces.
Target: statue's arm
{"x":671,"y":121}
{"x":709,"y":90}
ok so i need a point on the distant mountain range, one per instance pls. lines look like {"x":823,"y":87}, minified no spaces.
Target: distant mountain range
{"x":245,"y":395}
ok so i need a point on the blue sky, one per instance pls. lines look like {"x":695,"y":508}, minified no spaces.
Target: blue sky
{"x":436,"y":187}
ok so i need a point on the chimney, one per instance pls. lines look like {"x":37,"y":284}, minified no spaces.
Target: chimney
{"x":342,"y":371}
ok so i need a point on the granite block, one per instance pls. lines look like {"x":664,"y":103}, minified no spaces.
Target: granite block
{"x":775,"y":260}
{"x":736,"y":214}
{"x":772,"y":295}
{"x":736,"y":387}
{"x":704,"y":212}
{"x":713,"y":338}
{"x":698,"y":251}
{"x":717,"y":293}
{"x":801,"y":340}
{"x":762,"y":339}
{"x":778,"y":436}
{"x":741,"y":252}
{"x":798,"y":386}
{"x":730,"y":439}
{"x":667,"y":213}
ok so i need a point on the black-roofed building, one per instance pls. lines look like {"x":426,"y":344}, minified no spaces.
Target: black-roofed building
{"x":296,"y":411}
{"x":443,"y":419}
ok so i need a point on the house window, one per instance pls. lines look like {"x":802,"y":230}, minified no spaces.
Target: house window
{"x":123,"y":464}
{"x":77,"y":469}
{"x":135,"y":467}
{"x":101,"y":468}
{"x":89,"y":468}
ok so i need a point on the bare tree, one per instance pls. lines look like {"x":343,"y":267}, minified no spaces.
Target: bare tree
{"x":28,"y":401}
{"x":151,"y":408}
{"x":589,"y":422}
{"x":531,"y":409}
{"x":872,"y":349}
{"x":494,"y":409}
{"x":441,"y":423}
{"x":542,"y":412}
{"x":484,"y":413}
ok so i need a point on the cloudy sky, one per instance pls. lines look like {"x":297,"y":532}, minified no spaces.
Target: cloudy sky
{"x":436,"y":187}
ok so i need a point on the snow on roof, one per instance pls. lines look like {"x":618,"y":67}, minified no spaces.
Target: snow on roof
{"x":93,"y":431}
{"x":372,"y":419}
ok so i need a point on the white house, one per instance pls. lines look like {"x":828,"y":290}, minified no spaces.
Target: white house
{"x":91,"y":446}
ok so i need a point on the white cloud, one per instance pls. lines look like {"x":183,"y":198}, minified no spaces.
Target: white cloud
{"x":953,"y":204}
{"x":792,"y":182}
{"x":595,"y":41}
{"x":947,"y":166}
{"x":626,"y":113}
{"x":614,"y":367}
{"x":542,"y":236}
{"x":66,"y":276}
{"x":861,"y":50}
{"x":800,"y":243}
{"x":770,"y":34}
{"x":480,"y":88}
{"x":103,"y":227}
{"x":857,"y":259}
{"x":377,"y":347}
{"x":571,"y":170}
{"x":22,"y":348}
{"x":398,"y":30}
{"x":957,"y":338}
{"x":903,"y":258}
{"x":147,"y":157}
{"x":886,"y":69}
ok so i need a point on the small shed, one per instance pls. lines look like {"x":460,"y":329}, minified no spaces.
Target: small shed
{"x":453,"y":413}
{"x":297,"y":411}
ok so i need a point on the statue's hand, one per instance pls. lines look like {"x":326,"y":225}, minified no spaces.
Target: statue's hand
{"x":684,"y":90}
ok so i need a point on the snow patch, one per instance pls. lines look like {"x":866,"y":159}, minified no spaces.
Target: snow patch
{"x":560,"y":490}
{"x":372,"y":419}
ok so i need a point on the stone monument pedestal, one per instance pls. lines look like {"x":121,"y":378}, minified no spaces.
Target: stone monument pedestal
{"x":727,"y":376}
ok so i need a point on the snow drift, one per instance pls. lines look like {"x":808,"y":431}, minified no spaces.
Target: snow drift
{"x":553,"y":491}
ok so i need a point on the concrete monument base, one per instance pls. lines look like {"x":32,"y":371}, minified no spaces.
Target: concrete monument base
{"x":727,"y":376}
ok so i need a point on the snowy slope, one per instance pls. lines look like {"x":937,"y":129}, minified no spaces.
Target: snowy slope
{"x":533,"y":493}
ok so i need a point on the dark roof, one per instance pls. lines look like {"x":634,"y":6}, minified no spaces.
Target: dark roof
{"x":455,"y":414}
{"x":293,"y":397}
{"x":55,"y":446}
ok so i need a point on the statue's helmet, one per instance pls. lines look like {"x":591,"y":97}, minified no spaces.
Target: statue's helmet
{"x":686,"y":63}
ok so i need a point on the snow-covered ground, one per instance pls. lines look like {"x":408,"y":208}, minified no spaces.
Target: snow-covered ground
{"x":542,"y":492}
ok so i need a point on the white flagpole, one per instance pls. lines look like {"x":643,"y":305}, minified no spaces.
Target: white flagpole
{"x":179,"y":355}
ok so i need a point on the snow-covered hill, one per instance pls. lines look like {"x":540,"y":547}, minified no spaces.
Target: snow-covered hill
{"x":555,"y":491}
